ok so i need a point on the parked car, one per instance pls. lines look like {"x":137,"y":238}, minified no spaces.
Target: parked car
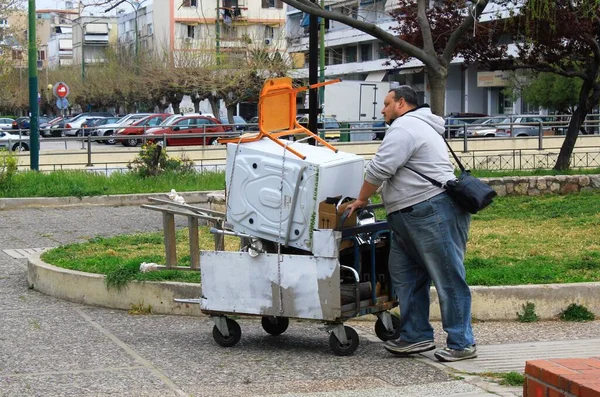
{"x":211,"y":128}
{"x":485,"y":127}
{"x":238,"y":122}
{"x":514,"y":126}
{"x":75,"y":121}
{"x":127,"y":135}
{"x":87,"y":125}
{"x":22,"y":123}
{"x":46,"y":128}
{"x":454,"y":122}
{"x":99,"y":122}
{"x":110,"y":129}
{"x":323,"y":122}
{"x":14,"y":142}
{"x":6,"y":123}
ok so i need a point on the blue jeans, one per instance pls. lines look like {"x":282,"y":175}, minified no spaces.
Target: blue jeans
{"x":428,"y":244}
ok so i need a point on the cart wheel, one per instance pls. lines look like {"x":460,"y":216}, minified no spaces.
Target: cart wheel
{"x":235,"y":333}
{"x":275,"y":325}
{"x":347,"y":349}
{"x":382,"y":332}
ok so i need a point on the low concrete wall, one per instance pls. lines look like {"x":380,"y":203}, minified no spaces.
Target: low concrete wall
{"x":535,"y":186}
{"x":89,"y":289}
{"x":209,"y":198}
{"x":489,"y":303}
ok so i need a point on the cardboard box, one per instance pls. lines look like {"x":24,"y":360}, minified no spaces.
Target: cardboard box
{"x":330,"y":214}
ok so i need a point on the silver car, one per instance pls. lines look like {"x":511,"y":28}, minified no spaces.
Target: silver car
{"x":6,"y":123}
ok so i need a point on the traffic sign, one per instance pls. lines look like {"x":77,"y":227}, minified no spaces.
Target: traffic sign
{"x":62,"y":103}
{"x":60,"y":90}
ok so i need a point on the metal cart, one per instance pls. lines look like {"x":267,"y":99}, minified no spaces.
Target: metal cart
{"x":345,"y":276}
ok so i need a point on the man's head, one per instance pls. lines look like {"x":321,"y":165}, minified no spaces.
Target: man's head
{"x":397,"y":102}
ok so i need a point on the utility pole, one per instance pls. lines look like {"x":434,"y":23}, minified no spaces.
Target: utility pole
{"x":322,"y":59}
{"x":34,"y":137}
{"x":313,"y":72}
{"x":218,"y":33}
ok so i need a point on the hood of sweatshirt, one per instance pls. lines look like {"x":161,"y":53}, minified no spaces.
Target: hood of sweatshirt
{"x":424,"y":113}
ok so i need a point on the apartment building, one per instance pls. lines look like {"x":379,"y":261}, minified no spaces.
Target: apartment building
{"x":177,"y":28}
{"x":356,"y":56}
{"x":92,"y":35}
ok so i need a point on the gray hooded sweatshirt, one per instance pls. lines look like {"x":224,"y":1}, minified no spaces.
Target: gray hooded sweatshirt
{"x":412,"y":140}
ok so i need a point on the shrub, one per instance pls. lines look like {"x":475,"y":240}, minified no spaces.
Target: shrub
{"x":578,"y":313}
{"x":528,"y":315}
{"x":153,"y":160}
{"x":8,"y":169}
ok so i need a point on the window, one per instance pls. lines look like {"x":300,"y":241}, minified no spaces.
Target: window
{"x":380,"y":50}
{"x":272,"y":4}
{"x":190,"y":31}
{"x":351,"y":54}
{"x":42,"y":55}
{"x":366,"y":53}
{"x":189,"y":3}
{"x":269,"y":32}
{"x":336,"y":56}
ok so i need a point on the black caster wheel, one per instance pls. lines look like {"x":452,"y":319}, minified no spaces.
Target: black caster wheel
{"x":235,"y":333}
{"x":347,"y":349}
{"x":383,"y":334}
{"x":275,"y":325}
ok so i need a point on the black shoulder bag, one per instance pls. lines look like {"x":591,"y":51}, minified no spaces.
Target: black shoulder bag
{"x":467,"y":191}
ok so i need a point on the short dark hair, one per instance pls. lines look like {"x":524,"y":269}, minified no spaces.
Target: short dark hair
{"x":406,"y":92}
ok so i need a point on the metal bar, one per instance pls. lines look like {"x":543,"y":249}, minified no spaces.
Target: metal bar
{"x":178,"y":212}
{"x":169,"y":237}
{"x":219,"y":237}
{"x":293,"y":207}
{"x":194,"y":242}
{"x":187,"y":206}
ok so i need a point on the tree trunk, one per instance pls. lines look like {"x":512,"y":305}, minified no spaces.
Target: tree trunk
{"x":196,"y":101}
{"x":214,"y":105}
{"x":577,"y":119}
{"x":174,"y":98}
{"x":437,"y":83}
{"x":230,"y":111}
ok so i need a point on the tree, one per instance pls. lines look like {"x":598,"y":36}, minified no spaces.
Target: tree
{"x":433,"y":35}
{"x":560,"y":37}
{"x":553,"y":92}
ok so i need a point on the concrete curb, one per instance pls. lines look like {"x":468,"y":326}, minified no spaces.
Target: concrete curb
{"x":489,"y":303}
{"x":89,"y":289}
{"x":114,"y":200}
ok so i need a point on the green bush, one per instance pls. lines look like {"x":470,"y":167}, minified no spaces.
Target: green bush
{"x":153,"y":160}
{"x":8,"y":169}
{"x":528,"y":315}
{"x":577,"y":313}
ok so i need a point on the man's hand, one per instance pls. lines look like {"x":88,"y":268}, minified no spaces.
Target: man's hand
{"x":356,"y":205}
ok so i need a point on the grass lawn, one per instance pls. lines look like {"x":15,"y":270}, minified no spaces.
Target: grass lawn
{"x":518,"y":240}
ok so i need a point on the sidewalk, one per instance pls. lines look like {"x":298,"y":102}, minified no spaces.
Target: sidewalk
{"x":50,"y":347}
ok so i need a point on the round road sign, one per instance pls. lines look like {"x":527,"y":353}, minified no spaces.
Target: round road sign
{"x":60,"y":90}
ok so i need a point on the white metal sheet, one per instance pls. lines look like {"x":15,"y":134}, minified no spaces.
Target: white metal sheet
{"x":301,"y":286}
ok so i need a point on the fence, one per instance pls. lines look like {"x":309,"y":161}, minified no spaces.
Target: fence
{"x":494,"y":153}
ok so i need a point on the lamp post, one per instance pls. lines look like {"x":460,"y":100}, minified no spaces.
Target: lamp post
{"x":34,"y":133}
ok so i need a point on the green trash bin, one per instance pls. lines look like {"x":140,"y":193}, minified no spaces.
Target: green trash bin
{"x":344,"y":132}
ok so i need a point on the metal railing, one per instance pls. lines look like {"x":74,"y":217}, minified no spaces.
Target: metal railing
{"x":107,"y":159}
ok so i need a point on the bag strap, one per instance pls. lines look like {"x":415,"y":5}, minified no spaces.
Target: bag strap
{"x":433,"y":181}
{"x":462,"y":169}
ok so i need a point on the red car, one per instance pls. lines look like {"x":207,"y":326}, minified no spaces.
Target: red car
{"x":210,"y":127}
{"x":124,"y":135}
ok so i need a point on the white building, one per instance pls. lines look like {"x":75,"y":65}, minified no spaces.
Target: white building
{"x":92,"y":35}
{"x":356,"y":56}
